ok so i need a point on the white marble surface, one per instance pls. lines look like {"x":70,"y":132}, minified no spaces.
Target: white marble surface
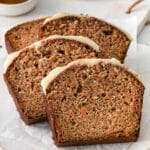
{"x":15,"y":135}
{"x":144,"y":37}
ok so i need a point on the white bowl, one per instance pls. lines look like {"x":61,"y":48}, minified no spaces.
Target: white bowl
{"x":17,"y":9}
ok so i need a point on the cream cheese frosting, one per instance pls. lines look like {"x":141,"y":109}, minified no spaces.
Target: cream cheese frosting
{"x":81,"y":39}
{"x":59,"y":15}
{"x":64,"y":14}
{"x":90,"y":62}
{"x":11,"y":57}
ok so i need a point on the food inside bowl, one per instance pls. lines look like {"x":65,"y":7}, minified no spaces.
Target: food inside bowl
{"x":12,"y":1}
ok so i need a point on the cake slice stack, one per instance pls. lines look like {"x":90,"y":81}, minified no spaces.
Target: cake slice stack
{"x":88,"y":96}
{"x":113,"y":42}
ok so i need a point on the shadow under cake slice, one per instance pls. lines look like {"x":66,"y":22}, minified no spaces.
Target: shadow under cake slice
{"x":24,"y":70}
{"x":22,"y":35}
{"x":93,"y":101}
{"x":112,"y":41}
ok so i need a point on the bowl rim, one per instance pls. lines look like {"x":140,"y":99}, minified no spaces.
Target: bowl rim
{"x":17,"y":4}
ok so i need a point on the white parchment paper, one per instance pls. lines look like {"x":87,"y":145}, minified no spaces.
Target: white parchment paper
{"x":15,"y":135}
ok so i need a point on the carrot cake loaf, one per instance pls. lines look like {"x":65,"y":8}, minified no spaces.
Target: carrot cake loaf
{"x":112,"y":41}
{"x":24,"y":70}
{"x":93,"y":101}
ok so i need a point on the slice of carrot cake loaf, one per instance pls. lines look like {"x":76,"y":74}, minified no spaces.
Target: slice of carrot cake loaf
{"x":22,"y":35}
{"x":93,"y":101}
{"x":24,"y":70}
{"x":112,"y":41}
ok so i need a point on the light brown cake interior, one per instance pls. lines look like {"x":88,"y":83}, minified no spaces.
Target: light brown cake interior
{"x":95,"y":104}
{"x":23,"y":35}
{"x":113,"y":43}
{"x":26,"y":72}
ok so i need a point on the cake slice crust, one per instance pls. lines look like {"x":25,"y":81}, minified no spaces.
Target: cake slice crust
{"x":93,"y":101}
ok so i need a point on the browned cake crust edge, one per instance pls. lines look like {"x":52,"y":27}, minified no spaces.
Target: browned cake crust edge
{"x":8,"y":45}
{"x":52,"y":125}
{"x":27,"y":121}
